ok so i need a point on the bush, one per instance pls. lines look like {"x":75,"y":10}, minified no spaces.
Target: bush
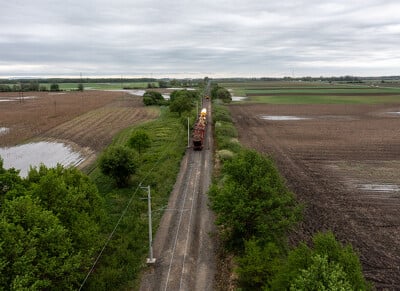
{"x":54,"y":87}
{"x":321,"y":275}
{"x":221,"y":113}
{"x":181,"y":104}
{"x":225,"y":129}
{"x":218,"y":92}
{"x":139,"y":140}
{"x":253,"y":200}
{"x":327,"y":264}
{"x":119,"y":163}
{"x":225,"y":155}
{"x":257,"y":265}
{"x":153,"y":98}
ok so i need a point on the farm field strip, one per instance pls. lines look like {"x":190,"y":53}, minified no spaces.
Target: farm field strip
{"x":87,"y":121}
{"x":313,"y":93}
{"x":35,"y":116}
{"x":99,"y":126}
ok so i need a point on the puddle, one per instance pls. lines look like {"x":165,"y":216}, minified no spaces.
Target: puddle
{"x":14,"y":99}
{"x":132,"y":92}
{"x":282,"y":117}
{"x":238,"y":98}
{"x":395,"y":112}
{"x":189,"y":89}
{"x":379,"y":187}
{"x":4,"y":130}
{"x":136,"y":92}
{"x":33,"y":154}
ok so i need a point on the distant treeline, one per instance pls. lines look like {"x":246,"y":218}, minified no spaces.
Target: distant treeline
{"x":16,"y":85}
{"x":96,"y":80}
{"x":31,"y":86}
{"x":353,"y":79}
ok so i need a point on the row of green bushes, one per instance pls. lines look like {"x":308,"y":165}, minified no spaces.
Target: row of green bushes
{"x":255,"y":213}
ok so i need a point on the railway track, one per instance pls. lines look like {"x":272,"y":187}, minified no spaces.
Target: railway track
{"x":183,"y":246}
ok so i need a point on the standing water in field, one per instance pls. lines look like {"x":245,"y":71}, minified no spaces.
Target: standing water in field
{"x":282,"y":118}
{"x":238,"y":98}
{"x":50,"y":154}
{"x":4,"y":130}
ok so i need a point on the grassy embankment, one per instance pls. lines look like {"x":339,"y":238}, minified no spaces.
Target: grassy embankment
{"x":124,"y":257}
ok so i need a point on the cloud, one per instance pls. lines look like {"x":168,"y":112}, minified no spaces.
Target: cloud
{"x":99,"y":37}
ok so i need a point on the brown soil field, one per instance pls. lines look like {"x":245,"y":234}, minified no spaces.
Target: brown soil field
{"x":87,"y":120}
{"x":343,"y":163}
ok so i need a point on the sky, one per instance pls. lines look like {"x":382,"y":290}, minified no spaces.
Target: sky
{"x":192,"y":38}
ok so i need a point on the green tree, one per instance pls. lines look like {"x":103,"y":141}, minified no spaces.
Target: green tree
{"x":9,"y":180}
{"x":54,"y":87}
{"x":218,"y":92}
{"x":139,"y":140}
{"x":328,"y":264}
{"x":74,"y":199}
{"x":120,"y":163}
{"x":49,"y":228}
{"x":224,"y":95}
{"x":180,"y":104}
{"x":253,"y":200}
{"x":153,"y":98}
{"x":258,"y":264}
{"x":322,"y":275}
{"x":35,"y":249}
{"x":162,"y":84}
{"x":43,"y":88}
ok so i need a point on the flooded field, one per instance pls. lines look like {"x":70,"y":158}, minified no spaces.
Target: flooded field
{"x":22,"y":157}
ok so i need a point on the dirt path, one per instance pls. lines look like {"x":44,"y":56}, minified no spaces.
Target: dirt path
{"x":184,"y":245}
{"x":332,"y":161}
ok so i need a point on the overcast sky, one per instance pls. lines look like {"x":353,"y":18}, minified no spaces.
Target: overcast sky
{"x":198,"y":38}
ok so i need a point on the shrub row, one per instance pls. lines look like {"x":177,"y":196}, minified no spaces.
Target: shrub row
{"x":255,"y":212}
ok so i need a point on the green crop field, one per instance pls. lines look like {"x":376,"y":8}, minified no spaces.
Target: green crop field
{"x":103,"y":86}
{"x":290,"y":92}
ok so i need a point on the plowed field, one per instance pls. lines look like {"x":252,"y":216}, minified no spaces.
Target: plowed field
{"x":343,"y":162}
{"x":88,"y":119}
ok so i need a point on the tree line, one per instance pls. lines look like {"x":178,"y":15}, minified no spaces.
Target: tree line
{"x":33,"y":86}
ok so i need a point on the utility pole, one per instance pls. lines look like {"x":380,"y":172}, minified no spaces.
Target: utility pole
{"x":150,"y":260}
{"x":188,"y":135}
